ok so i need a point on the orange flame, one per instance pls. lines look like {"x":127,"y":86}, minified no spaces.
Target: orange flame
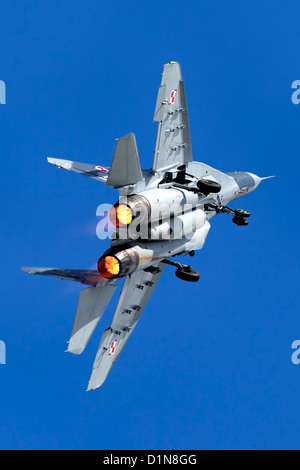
{"x":109,"y":267}
{"x":121,"y":215}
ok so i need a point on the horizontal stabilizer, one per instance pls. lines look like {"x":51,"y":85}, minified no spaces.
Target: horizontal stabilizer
{"x":89,"y":277}
{"x":95,"y":172}
{"x":91,"y":305}
{"x":125,"y":168}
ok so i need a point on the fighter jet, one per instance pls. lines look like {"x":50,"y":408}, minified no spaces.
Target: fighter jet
{"x":161,"y":213}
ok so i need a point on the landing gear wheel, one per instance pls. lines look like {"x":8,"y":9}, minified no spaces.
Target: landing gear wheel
{"x":242,"y":213}
{"x":208,"y":186}
{"x":240,"y":221}
{"x":187,"y":275}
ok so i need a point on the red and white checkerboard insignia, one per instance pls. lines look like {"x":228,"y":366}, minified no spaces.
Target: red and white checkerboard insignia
{"x":112,"y":348}
{"x":101,"y":168}
{"x":172,"y":96}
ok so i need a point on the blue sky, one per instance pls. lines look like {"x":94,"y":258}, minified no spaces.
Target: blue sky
{"x":209,"y":365}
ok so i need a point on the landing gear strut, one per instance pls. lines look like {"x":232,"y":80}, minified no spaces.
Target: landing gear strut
{"x":183,"y":271}
{"x":239,"y":215}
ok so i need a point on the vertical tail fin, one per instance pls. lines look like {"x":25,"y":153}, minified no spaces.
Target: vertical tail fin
{"x":125,"y":168}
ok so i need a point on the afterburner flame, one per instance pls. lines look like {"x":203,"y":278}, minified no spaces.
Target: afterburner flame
{"x":109,"y":267}
{"x":123,"y":215}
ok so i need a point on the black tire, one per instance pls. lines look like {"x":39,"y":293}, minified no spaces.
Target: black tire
{"x":208,"y":186}
{"x":242,"y":213}
{"x":190,"y":275}
{"x":240,"y":221}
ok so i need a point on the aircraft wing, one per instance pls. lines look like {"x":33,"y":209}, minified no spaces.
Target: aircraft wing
{"x":96,"y":172}
{"x":89,"y":277}
{"x":134,"y":296}
{"x":173,"y":142}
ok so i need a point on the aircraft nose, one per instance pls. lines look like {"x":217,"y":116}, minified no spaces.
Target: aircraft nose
{"x":258,"y":179}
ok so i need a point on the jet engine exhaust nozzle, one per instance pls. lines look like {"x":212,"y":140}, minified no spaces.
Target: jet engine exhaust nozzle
{"x":121,"y":215}
{"x":130,"y":208}
{"x":114,"y":264}
{"x":109,"y":267}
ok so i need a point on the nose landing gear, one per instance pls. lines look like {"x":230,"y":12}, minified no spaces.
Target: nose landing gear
{"x":239,"y":215}
{"x":240,"y":221}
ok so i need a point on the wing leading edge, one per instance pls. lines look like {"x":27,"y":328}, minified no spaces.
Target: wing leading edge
{"x":134,"y":296}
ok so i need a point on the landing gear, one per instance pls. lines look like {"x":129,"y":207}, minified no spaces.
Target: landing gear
{"x":190,"y":182}
{"x":240,"y":221}
{"x":208,"y":186}
{"x":187,"y":274}
{"x":239,"y":215}
{"x":183,"y":271}
{"x":242,"y":213}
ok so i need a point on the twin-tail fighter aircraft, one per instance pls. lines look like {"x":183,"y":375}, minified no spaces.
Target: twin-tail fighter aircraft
{"x":161,"y":213}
